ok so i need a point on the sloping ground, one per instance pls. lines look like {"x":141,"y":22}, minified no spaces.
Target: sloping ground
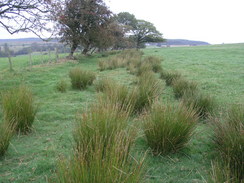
{"x":33,"y":158}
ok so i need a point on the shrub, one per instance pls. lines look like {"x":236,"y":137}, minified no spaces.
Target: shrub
{"x":80,"y":79}
{"x":202,"y":104}
{"x":183,"y":87}
{"x":170,"y":77}
{"x":19,"y":109}
{"x":169,"y":128}
{"x":155,"y":63}
{"x":148,"y":90}
{"x":62,"y":86}
{"x":6,"y":132}
{"x":229,"y":141}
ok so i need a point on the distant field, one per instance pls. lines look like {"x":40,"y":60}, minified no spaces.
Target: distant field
{"x":219,"y":71}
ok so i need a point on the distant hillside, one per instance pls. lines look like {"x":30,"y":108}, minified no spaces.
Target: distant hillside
{"x":24,"y":40}
{"x":179,"y":42}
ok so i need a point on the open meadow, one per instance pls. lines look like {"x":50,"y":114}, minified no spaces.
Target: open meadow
{"x":218,"y":70}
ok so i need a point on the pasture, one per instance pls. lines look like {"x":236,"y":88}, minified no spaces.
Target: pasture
{"x":217,"y":69}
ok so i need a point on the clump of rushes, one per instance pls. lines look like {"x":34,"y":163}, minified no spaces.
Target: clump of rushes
{"x":148,"y":90}
{"x":221,"y":173}
{"x":80,"y":79}
{"x":170,"y":77}
{"x":62,"y":86}
{"x":103,"y":145}
{"x":104,"y":118}
{"x":104,"y":83}
{"x":155,"y":62}
{"x":144,"y":68}
{"x":229,"y":141}
{"x":121,"y":95}
{"x":6,"y":132}
{"x":204,"y":105}
{"x":169,"y":128}
{"x":19,"y":109}
{"x":183,"y":87}
{"x":102,"y":163}
{"x":103,"y":65}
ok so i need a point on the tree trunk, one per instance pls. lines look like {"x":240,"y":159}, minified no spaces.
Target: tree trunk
{"x":56,"y":53}
{"x":72,"y":50}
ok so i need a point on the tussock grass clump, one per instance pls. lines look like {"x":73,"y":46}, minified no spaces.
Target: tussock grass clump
{"x":80,"y":79}
{"x":148,"y":90}
{"x":6,"y":132}
{"x":144,"y":68}
{"x":103,"y":84}
{"x":155,"y":63}
{"x":229,"y":141}
{"x":170,"y":77}
{"x":204,"y":105}
{"x":19,"y":109}
{"x":103,"y":65}
{"x":102,"y":163}
{"x":103,"y":146}
{"x":103,"y":119}
{"x":183,"y":87}
{"x":169,"y":128}
{"x":221,"y":173}
{"x":62,"y":85}
{"x":121,"y":95}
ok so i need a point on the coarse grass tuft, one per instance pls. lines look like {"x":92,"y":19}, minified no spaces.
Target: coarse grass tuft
{"x":103,"y":84}
{"x":183,"y":87}
{"x":19,"y":109}
{"x":221,"y":173}
{"x":155,"y":62}
{"x":80,"y":79}
{"x":122,"y":95}
{"x":169,"y":128}
{"x":148,"y":90}
{"x":62,"y":86}
{"x":6,"y":132}
{"x":169,"y":77}
{"x":103,"y":145}
{"x":98,"y":162}
{"x":204,"y":105}
{"x":229,"y":141}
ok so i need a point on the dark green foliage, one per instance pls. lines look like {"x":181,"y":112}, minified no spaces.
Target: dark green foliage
{"x":229,"y":141}
{"x":170,"y":77}
{"x":204,"y":105}
{"x":169,"y":128}
{"x":62,"y":86}
{"x":183,"y":87}
{"x":6,"y":132}
{"x":19,"y":109}
{"x":80,"y":79}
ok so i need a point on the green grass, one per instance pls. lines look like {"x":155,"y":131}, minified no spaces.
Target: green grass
{"x":218,"y":70}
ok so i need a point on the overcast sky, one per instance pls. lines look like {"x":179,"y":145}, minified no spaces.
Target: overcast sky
{"x":213,"y":21}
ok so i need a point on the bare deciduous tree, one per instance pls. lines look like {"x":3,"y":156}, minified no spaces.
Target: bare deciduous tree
{"x":25,"y":16}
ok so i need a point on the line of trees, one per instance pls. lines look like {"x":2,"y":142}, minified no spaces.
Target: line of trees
{"x":88,"y":24}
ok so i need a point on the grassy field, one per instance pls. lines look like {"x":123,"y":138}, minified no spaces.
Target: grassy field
{"x":32,"y":158}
